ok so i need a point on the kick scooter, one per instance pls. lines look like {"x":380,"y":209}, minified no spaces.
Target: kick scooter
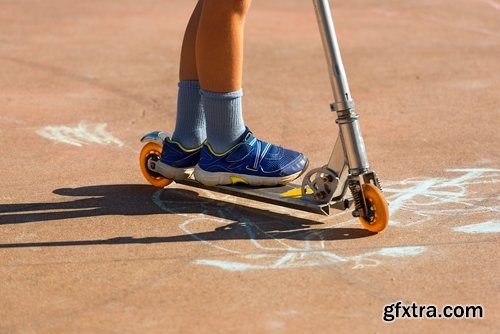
{"x":346,"y":180}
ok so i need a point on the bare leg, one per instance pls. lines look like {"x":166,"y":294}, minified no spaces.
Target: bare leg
{"x":188,"y":69}
{"x":212,"y":55}
{"x":190,"y":127}
{"x":219,"y":44}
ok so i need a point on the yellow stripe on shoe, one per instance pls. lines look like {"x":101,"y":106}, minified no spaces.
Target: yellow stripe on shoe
{"x":236,"y":179}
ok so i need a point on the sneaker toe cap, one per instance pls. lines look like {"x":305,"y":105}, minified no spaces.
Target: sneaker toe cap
{"x":297,"y":165}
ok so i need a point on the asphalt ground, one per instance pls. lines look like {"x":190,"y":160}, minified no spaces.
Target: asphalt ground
{"x":87,"y":246}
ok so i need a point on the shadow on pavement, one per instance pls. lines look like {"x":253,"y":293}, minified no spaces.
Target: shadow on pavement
{"x":137,"y":200}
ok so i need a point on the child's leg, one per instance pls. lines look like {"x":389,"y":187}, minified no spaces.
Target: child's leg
{"x":219,"y":44}
{"x":219,"y":59}
{"x":188,"y":70}
{"x":190,"y":128}
{"x":232,"y":154}
{"x":213,"y":56}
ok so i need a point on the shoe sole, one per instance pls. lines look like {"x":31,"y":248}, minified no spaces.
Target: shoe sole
{"x":222,"y":178}
{"x":173,"y":173}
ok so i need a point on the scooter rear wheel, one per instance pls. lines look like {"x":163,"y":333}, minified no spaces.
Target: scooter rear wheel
{"x":152,"y":151}
{"x":379,"y":210}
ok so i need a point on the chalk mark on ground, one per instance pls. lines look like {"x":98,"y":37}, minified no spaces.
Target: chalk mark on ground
{"x":79,"y":135}
{"x":412,"y":201}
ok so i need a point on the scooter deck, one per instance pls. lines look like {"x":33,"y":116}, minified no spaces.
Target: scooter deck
{"x":271,"y":195}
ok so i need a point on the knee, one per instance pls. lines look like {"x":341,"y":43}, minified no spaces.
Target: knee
{"x":233,"y":7}
{"x":240,"y":7}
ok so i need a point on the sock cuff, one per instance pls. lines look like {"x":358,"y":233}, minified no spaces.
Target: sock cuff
{"x":222,"y":96}
{"x":189,"y":84}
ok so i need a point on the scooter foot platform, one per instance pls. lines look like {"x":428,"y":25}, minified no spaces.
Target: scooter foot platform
{"x":288,"y":196}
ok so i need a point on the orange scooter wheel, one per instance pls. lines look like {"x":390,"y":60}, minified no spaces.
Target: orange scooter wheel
{"x":378,"y":218}
{"x":148,"y":152}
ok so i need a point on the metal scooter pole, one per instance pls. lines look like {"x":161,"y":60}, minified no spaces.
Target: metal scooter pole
{"x":349,"y":131}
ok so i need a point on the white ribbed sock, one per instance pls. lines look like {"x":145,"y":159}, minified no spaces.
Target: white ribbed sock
{"x":224,"y":119}
{"x":190,"y":129}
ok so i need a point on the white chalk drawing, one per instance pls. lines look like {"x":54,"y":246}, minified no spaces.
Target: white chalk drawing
{"x":7,"y":119}
{"x":412,"y":201}
{"x":486,"y":227}
{"x":309,"y":258}
{"x":79,"y":135}
{"x":420,"y":200}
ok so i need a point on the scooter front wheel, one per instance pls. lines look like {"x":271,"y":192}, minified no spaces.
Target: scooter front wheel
{"x":152,"y":151}
{"x":377,"y":217}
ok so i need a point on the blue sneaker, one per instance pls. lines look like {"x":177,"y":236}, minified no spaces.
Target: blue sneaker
{"x":252,"y":161}
{"x":177,"y":162}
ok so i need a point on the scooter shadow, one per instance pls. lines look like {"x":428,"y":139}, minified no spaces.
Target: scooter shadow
{"x":139,"y":200}
{"x":260,"y":223}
